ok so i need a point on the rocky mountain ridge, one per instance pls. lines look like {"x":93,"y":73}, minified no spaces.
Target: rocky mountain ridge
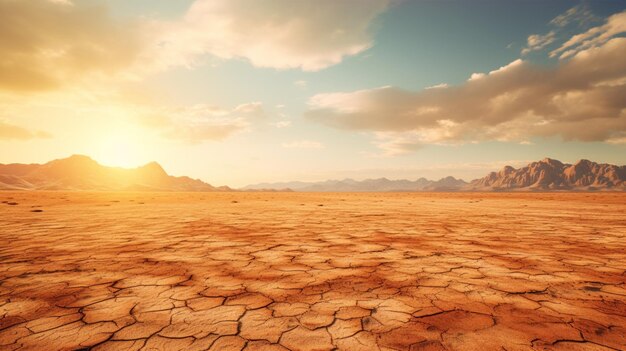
{"x":550,"y":174}
{"x":83,"y":173}
{"x":545,"y":175}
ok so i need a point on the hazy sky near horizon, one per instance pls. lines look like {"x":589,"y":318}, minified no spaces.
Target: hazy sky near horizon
{"x":237,"y":92}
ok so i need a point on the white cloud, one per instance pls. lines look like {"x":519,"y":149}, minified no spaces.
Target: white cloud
{"x":200,"y":123}
{"x":394,"y":143}
{"x":579,"y":99}
{"x":52,"y":44}
{"x":438,"y":86}
{"x":279,"y":34}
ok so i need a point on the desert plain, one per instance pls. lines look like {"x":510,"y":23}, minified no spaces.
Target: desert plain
{"x":312,"y":271}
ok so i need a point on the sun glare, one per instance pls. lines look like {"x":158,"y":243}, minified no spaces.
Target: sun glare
{"x":118,"y":150}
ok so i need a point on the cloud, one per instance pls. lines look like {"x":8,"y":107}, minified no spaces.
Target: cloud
{"x":198,"y":123}
{"x":394,"y":144}
{"x":278,"y":34}
{"x":618,"y":139}
{"x":300,"y":84}
{"x":10,"y":131}
{"x":282,"y":124}
{"x":594,"y":37}
{"x":441,"y":85}
{"x":579,"y":14}
{"x":303,"y":144}
{"x":62,"y":2}
{"x":579,"y":99}
{"x":538,"y":42}
{"x":48,"y":44}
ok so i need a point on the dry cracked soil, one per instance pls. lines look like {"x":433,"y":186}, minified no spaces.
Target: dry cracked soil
{"x":294,"y":271}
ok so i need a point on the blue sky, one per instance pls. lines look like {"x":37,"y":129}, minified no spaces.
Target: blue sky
{"x":261,"y":101}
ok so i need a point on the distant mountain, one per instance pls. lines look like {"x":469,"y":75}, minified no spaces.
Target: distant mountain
{"x":278,"y":186}
{"x":549,"y":174}
{"x":544,"y":175}
{"x":82,"y":173}
{"x":380,"y":184}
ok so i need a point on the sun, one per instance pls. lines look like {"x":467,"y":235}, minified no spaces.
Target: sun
{"x":120,"y":149}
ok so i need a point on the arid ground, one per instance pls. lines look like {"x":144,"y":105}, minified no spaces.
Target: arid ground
{"x":294,"y":271}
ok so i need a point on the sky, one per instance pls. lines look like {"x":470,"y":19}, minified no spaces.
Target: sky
{"x":237,"y":92}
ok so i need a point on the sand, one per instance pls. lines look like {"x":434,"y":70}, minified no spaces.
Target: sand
{"x":292,"y":271}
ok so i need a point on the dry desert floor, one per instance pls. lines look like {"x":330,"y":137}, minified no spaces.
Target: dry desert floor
{"x":302,"y":271}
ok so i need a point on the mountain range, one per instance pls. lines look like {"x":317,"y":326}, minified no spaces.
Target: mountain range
{"x":549,"y":174}
{"x":83,"y":173}
{"x":545,"y":175}
{"x":380,"y":184}
{"x":79,"y":172}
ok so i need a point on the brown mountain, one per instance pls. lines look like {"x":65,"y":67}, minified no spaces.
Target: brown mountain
{"x":549,"y":174}
{"x":82,"y":173}
{"x":544,"y":175}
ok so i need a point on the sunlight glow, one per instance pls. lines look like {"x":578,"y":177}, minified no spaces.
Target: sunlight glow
{"x":119,"y":149}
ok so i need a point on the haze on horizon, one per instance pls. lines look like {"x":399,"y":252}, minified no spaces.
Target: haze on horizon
{"x":236,"y":92}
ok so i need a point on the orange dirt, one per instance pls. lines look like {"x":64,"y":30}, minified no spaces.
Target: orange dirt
{"x":293,"y":271}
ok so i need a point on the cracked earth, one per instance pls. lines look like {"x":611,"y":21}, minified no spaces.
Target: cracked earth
{"x":292,"y":271}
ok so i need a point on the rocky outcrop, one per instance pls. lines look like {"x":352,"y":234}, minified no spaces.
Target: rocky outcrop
{"x":549,"y":174}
